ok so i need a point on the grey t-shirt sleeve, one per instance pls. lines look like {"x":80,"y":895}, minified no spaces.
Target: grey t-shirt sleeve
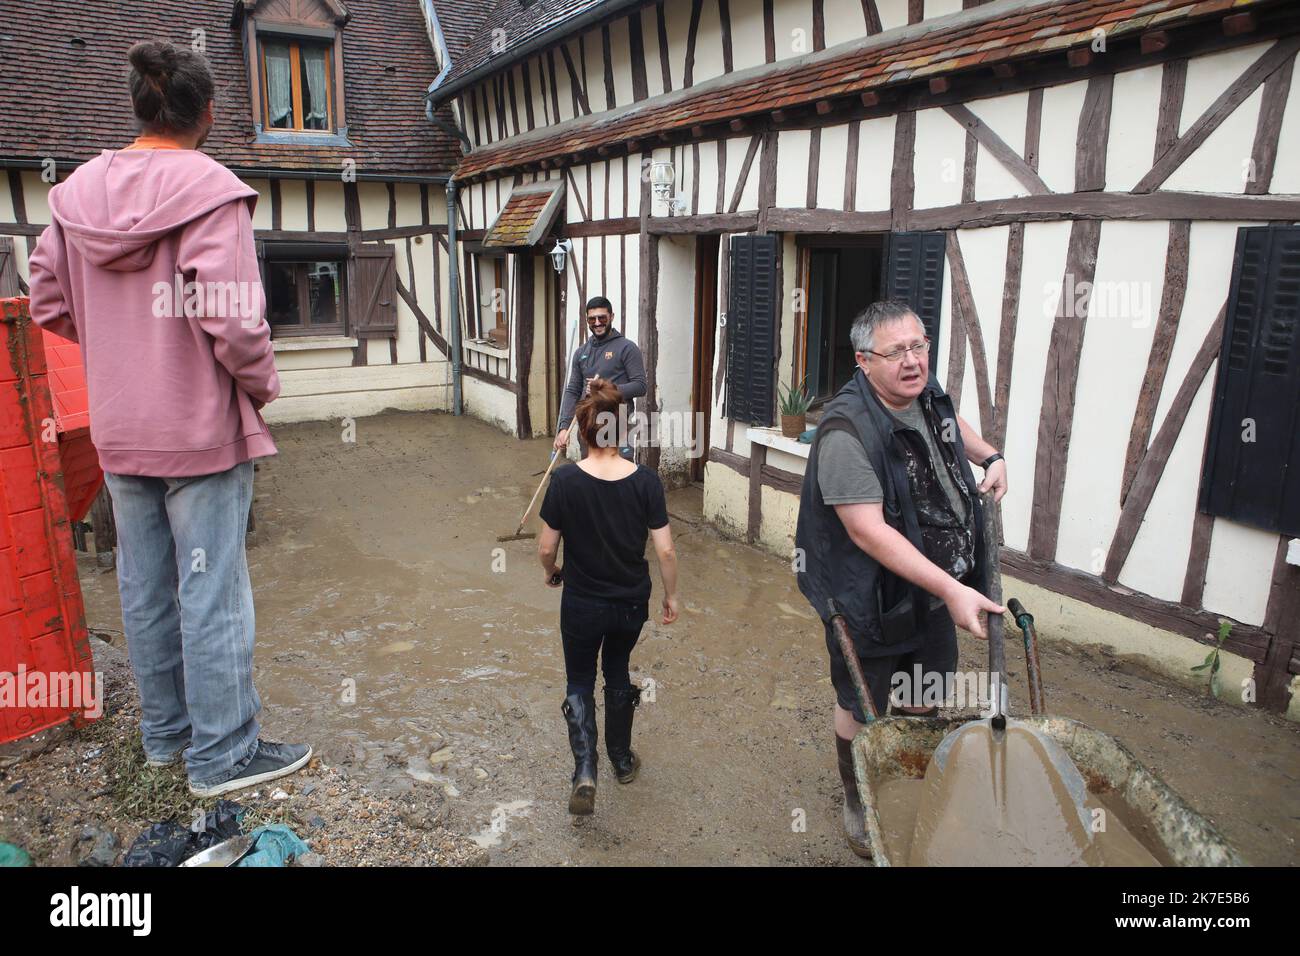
{"x":844,"y":472}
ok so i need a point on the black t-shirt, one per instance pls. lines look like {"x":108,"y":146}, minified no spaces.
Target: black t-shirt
{"x":604,"y":525}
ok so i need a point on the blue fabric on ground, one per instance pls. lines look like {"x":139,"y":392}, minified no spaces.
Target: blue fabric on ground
{"x":274,"y":845}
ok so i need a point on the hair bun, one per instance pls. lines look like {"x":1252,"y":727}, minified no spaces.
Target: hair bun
{"x":153,"y":58}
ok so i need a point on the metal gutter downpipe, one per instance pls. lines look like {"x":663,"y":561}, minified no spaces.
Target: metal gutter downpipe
{"x":453,"y":290}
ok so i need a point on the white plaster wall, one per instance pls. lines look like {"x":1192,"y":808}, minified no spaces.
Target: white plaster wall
{"x":726,"y":499}
{"x":621,"y":52}
{"x":6,"y":202}
{"x":677,"y":18}
{"x":708,"y":44}
{"x":1135,"y":111}
{"x":293,"y":204}
{"x":488,"y":403}
{"x":675,"y":321}
{"x":791,"y":168}
{"x":1112,"y":367}
{"x":329,"y":206}
{"x":941,"y":8}
{"x":793,"y":29}
{"x":875,"y":163}
{"x":353,"y":391}
{"x":1044,"y":262}
{"x":831,"y":166}
{"x":1006,"y":116}
{"x":940,"y":158}
{"x":632,"y":315}
{"x":373,"y":198}
{"x":708,"y":175}
{"x":650,"y":43}
{"x":1286,"y":168}
{"x":1058,"y":135}
{"x":844,"y":21}
{"x":1239,"y":571}
{"x":747,"y":40}
{"x":985,"y":253}
{"x":262,"y":208}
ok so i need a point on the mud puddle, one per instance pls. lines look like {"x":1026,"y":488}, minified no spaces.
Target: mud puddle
{"x":408,"y":645}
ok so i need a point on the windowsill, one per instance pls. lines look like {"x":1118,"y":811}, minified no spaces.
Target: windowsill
{"x":486,"y":347}
{"x":301,"y":343}
{"x":772,"y":438}
{"x":303,"y":137}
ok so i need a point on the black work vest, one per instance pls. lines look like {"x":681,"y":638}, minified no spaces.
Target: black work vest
{"x":885,"y":614}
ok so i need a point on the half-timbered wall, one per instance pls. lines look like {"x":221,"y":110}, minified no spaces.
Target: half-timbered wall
{"x":335,"y":376}
{"x":669,"y":46}
{"x":1134,"y":182}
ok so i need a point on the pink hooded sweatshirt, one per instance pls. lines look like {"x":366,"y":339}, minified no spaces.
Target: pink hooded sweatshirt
{"x":149,"y":263}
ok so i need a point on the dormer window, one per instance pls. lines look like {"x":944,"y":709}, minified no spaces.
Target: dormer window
{"x":294,"y":52}
{"x":298,"y":82}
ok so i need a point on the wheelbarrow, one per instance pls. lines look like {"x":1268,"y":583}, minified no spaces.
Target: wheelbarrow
{"x":902,"y":747}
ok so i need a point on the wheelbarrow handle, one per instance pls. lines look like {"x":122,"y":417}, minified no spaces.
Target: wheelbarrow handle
{"x":850,"y":655}
{"x":997,"y":649}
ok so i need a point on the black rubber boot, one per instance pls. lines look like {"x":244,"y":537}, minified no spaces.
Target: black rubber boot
{"x":580,"y":714}
{"x":620,"y":708}
{"x":855,"y":827}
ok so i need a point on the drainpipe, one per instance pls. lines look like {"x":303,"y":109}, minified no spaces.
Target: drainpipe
{"x":453,"y":288}
{"x":453,"y":276}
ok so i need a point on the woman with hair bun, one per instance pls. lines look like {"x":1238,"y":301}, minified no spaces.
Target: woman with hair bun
{"x":602,"y":508}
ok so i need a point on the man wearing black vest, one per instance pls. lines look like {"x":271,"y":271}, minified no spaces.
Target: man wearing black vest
{"x":890,"y":526}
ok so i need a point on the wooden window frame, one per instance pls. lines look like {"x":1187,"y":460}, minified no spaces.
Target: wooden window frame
{"x":339,"y":328}
{"x":500,"y":261}
{"x":295,"y":83}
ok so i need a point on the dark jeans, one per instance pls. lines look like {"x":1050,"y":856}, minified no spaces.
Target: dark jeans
{"x":587,"y":625}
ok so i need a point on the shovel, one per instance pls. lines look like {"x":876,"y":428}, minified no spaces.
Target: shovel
{"x":519,"y":534}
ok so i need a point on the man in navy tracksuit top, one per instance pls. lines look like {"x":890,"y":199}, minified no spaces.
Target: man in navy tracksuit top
{"x":608,"y":355}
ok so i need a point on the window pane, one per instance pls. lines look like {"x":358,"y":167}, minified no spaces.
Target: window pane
{"x":279,"y":90}
{"x":326,"y":291}
{"x":282,"y":294}
{"x":315,"y":87}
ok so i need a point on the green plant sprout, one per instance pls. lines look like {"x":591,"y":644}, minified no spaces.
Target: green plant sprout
{"x":1211,"y":661}
{"x":796,"y":400}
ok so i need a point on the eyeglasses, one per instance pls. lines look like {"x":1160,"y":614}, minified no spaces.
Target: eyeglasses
{"x":897,"y":355}
{"x":598,"y":318}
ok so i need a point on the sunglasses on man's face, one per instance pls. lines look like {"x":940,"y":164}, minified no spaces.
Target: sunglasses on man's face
{"x":601,"y":318}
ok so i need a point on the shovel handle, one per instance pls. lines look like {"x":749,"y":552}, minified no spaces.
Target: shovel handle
{"x":851,"y":660}
{"x":997,"y":647}
{"x":555,"y":456}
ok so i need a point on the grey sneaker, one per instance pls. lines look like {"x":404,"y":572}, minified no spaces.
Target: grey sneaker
{"x":271,"y":762}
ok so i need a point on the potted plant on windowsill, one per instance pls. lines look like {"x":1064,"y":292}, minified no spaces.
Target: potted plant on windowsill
{"x":794,"y":411}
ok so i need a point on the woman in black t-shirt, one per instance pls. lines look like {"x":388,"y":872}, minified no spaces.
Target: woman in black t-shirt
{"x":603,"y":507}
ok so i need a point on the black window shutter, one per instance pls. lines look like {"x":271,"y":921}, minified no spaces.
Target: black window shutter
{"x":374,"y":279}
{"x":914,"y":274}
{"x":1257,"y":388}
{"x":751,"y":330}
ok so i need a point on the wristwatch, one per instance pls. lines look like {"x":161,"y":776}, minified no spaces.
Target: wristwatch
{"x":996,"y":456}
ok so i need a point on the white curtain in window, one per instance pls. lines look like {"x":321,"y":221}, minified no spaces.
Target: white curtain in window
{"x":279,"y":92}
{"x":313,"y":67}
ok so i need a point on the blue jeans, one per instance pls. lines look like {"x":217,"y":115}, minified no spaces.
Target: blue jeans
{"x":187,"y":609}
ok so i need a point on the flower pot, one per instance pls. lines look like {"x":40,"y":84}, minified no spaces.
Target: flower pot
{"x":792,"y":426}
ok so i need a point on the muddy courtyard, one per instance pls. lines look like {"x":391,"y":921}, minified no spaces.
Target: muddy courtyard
{"x":395,"y":638}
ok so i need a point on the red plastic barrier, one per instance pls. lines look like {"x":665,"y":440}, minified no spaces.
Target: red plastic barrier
{"x":46,"y":665}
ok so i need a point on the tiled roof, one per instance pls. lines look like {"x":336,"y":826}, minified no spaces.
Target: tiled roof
{"x":460,"y":21}
{"x":61,"y":100}
{"x":518,"y":23}
{"x":977,"y":38}
{"x":525,"y":217}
